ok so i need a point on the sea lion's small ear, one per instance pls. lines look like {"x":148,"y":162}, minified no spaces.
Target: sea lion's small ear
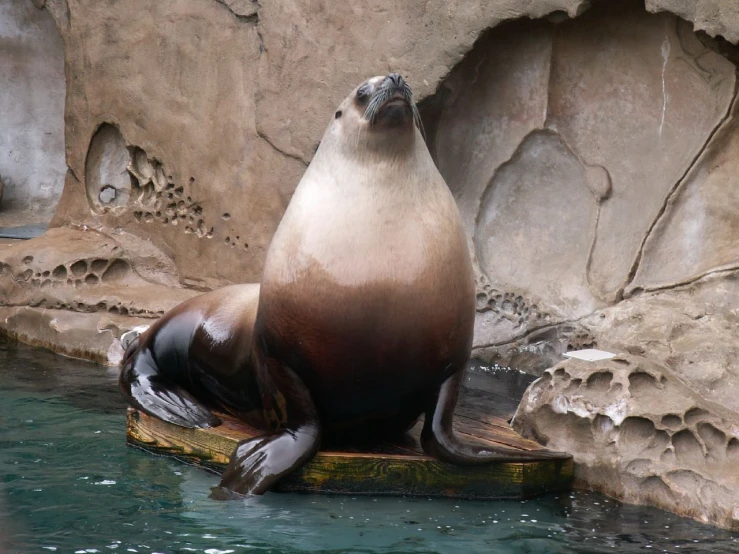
{"x":337,"y":115}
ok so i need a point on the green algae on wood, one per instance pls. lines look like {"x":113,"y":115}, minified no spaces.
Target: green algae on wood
{"x":399,"y":468}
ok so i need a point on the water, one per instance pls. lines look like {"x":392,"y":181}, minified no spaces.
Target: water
{"x":69,"y":483}
{"x":22,"y":231}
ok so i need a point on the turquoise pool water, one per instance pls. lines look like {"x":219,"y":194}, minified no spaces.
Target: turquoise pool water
{"x":69,"y":484}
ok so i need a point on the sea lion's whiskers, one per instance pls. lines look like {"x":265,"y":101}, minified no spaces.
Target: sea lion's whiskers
{"x":417,"y":119}
{"x":408,"y":94}
{"x":377,"y":101}
{"x":384,"y":94}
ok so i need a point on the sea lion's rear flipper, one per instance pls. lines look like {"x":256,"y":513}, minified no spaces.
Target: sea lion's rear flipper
{"x":438,"y":438}
{"x":258,"y":463}
{"x":147,"y":390}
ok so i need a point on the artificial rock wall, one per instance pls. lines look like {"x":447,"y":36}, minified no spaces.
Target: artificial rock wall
{"x":591,"y":147}
{"x":592,"y":160}
{"x":580,"y":141}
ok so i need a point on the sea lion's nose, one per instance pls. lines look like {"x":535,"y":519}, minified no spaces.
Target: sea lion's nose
{"x":395,"y":79}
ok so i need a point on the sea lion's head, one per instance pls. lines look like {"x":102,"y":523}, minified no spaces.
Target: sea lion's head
{"x":378,"y":114}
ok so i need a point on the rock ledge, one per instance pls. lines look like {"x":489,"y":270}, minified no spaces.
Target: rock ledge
{"x":640,"y":434}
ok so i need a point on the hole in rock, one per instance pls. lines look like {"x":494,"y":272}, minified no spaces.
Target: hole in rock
{"x":107,"y":194}
{"x":641,"y":382}
{"x":79,"y":268}
{"x":60,"y":272}
{"x":687,"y":446}
{"x":672,"y":421}
{"x":600,"y":381}
{"x":98,"y":265}
{"x":107,"y":180}
{"x":116,"y":271}
{"x":694,"y":415}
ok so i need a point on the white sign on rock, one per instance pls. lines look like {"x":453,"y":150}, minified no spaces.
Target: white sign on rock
{"x":590,"y":355}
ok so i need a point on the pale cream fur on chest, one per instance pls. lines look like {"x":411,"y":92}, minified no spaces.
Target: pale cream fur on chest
{"x":361,"y":225}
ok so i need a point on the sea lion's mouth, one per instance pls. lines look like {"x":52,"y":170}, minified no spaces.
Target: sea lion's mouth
{"x":388,"y":95}
{"x":392,"y":102}
{"x":397,"y":99}
{"x":394,"y":113}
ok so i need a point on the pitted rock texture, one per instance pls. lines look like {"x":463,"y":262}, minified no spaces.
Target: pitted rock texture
{"x":85,"y":271}
{"x":78,"y":291}
{"x":121,"y":178}
{"x":691,"y":330}
{"x":640,"y":434}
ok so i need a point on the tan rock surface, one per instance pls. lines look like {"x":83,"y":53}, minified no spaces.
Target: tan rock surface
{"x":355,"y":39}
{"x":78,"y":290}
{"x":89,"y":336}
{"x":86,"y":270}
{"x":198,"y":151}
{"x":562,"y":226}
{"x":538,"y":212}
{"x":716,"y":17}
{"x":691,"y":330}
{"x":216,"y":98}
{"x":640,"y":434}
{"x":627,"y":108}
{"x":698,"y":232}
{"x":176,"y":80}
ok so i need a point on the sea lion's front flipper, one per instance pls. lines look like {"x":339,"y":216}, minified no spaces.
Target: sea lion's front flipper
{"x":288,"y":408}
{"x":438,"y":438}
{"x":147,"y":390}
{"x":258,"y":463}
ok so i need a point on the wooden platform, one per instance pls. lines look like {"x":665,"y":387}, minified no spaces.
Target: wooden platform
{"x":388,"y":469}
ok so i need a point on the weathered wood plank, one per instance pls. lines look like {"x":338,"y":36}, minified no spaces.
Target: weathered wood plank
{"x":495,"y":433}
{"x":394,"y":469}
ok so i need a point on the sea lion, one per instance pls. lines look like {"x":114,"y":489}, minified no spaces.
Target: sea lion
{"x":363,"y":321}
{"x":196,"y":355}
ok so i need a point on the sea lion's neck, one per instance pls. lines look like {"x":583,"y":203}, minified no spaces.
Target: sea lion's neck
{"x":368,"y":147}
{"x":393,"y":211}
{"x":398,"y":164}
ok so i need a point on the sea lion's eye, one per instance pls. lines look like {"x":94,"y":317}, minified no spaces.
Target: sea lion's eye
{"x":363,"y":93}
{"x":337,"y":115}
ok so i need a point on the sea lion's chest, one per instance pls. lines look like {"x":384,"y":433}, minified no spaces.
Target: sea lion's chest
{"x":368,"y":282}
{"x":357,"y":235}
{"x":362,"y":277}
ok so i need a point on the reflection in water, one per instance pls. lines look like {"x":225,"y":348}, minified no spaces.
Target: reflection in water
{"x":68,"y":483}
